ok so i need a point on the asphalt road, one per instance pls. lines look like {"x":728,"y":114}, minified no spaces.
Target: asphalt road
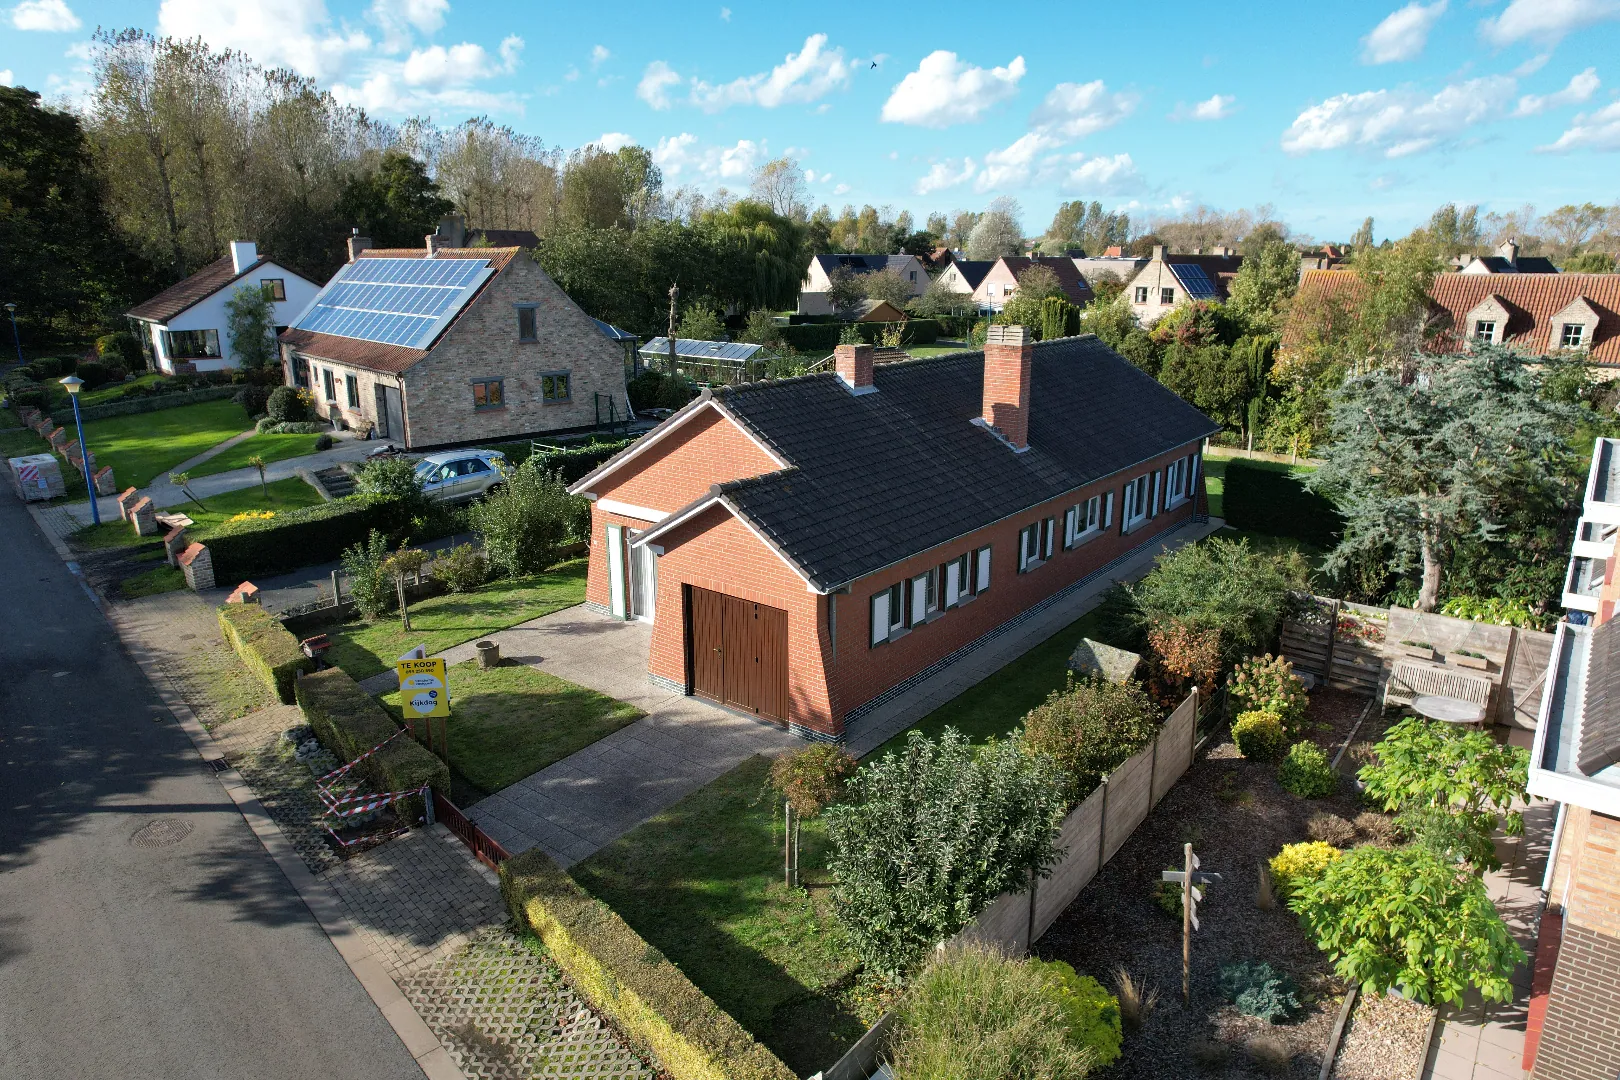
{"x":190,"y":960}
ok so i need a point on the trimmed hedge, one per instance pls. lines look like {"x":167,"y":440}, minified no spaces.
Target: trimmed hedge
{"x":575,"y":461}
{"x":302,"y":537}
{"x":349,"y":722}
{"x":654,"y":1003}
{"x":266,"y":646}
{"x":146,"y":403}
{"x":812,"y":337}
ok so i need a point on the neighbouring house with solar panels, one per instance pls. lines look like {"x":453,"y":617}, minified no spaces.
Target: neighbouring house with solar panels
{"x":1170,"y":280}
{"x":183,"y":329}
{"x":440,"y":346}
{"x":807,"y":548}
{"x":818,"y":277}
{"x":1573,"y":1027}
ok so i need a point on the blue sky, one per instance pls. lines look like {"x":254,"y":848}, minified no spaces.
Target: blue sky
{"x":1330,"y":110}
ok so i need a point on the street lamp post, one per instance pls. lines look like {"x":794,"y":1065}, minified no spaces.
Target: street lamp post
{"x":73,"y":382}
{"x":16,"y":339}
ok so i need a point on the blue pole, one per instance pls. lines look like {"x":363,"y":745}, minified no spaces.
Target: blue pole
{"x":84,"y":456}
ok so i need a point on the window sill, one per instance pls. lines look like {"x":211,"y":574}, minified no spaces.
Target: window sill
{"x":965,"y":598}
{"x":896,"y":633}
{"x":564,"y":401}
{"x":1135,"y":525}
{"x":489,"y":408}
{"x":1032,"y":565}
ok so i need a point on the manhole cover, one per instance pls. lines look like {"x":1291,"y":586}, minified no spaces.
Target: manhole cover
{"x":161,"y":833}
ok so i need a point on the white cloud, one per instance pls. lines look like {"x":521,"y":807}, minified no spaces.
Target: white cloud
{"x":1017,"y":165}
{"x":1546,"y":21}
{"x":1074,"y":110}
{"x":725,"y":14}
{"x":655,"y":84}
{"x":571,"y":75}
{"x":1580,"y":90}
{"x":599,"y":54}
{"x":802,"y":77}
{"x":614,"y":141}
{"x":398,"y":18}
{"x":461,"y":64}
{"x":1218,"y":107}
{"x":7,"y":79}
{"x":296,"y":34}
{"x":1398,"y":122}
{"x":1402,"y":34}
{"x":1594,"y":131}
{"x":683,"y":156}
{"x":1103,"y":175}
{"x":49,"y":15}
{"x":945,"y":91}
{"x":841,"y":189}
{"x":384,"y":92}
{"x":945,"y":175}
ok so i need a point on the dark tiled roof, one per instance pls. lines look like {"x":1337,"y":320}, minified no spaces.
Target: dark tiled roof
{"x":1599,"y":744}
{"x":861,"y":264}
{"x":184,"y":294}
{"x":973,"y":271}
{"x":1069,"y":278}
{"x":1527,"y":264}
{"x":877,"y":478}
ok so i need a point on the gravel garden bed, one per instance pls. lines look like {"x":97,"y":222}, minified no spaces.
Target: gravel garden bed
{"x":1236,"y":816}
{"x":1387,"y":1039}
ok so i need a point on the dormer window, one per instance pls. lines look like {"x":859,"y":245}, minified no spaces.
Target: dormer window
{"x":1484,"y":330}
{"x":1572,"y":336}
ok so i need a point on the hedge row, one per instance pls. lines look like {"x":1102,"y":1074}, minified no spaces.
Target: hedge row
{"x":154,"y":402}
{"x":575,"y":461}
{"x":1269,"y":497}
{"x":654,"y":1004}
{"x":348,"y":723}
{"x":302,"y":537}
{"x":823,"y":337}
{"x":266,"y":646}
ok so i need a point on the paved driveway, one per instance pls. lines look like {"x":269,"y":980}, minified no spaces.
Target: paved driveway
{"x":589,"y":799}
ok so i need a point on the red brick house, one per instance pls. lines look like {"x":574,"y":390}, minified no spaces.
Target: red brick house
{"x":804,"y":547}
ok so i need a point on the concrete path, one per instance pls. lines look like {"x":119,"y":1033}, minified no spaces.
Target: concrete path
{"x":213,"y":451}
{"x":882,"y":724}
{"x":591,"y":798}
{"x":1486,"y":1042}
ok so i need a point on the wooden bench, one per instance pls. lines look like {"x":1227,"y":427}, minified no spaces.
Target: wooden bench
{"x":1410,"y":681}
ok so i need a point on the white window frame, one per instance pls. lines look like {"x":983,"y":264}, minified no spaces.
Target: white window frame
{"x":887,"y":611}
{"x":1486,"y":335}
{"x":958,"y":580}
{"x":1141,"y":294}
{"x":1565,"y":334}
{"x":1135,"y":506}
{"x":1082,"y":521}
{"x":981,"y":570}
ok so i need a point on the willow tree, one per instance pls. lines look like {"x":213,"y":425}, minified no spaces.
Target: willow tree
{"x":771,"y":246}
{"x":1420,"y":461}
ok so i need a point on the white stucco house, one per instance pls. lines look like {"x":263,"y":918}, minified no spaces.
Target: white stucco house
{"x":818,"y":276}
{"x":183,"y":329}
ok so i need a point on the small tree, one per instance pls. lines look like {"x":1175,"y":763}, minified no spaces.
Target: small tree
{"x":286,"y":405}
{"x":250,"y":323}
{"x":1222,"y":586}
{"x":1417,"y":465}
{"x":1089,"y":728}
{"x":371,"y":585}
{"x":844,"y":291}
{"x":931,"y":833}
{"x":702,"y":323}
{"x":886,"y":284}
{"x":258,"y":463}
{"x":183,"y":482}
{"x":760,"y":329}
{"x":1409,"y":918}
{"x":526,"y":520}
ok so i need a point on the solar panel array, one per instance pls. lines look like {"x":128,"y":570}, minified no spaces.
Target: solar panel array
{"x":1199,"y":287}
{"x":394,"y":301}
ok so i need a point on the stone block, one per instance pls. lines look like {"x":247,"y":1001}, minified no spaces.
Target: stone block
{"x":29,"y":416}
{"x":144,"y":515}
{"x":105,"y":484}
{"x":174,"y":542}
{"x":126,"y":500}
{"x":245,"y":593}
{"x":1093,"y":658}
{"x":198,"y":566}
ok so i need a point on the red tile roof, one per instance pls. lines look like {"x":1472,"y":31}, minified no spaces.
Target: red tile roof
{"x":1532,"y":300}
{"x":185,"y":294}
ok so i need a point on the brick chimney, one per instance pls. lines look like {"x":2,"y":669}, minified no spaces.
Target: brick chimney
{"x":1510,"y":251}
{"x":854,"y":366}
{"x":1009,"y":355}
{"x":357,"y":244}
{"x":1158,"y":253}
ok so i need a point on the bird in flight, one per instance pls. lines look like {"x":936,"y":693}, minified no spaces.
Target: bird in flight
{"x":874,"y":64}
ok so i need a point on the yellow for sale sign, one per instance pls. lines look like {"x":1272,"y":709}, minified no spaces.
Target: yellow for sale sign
{"x":423,"y":688}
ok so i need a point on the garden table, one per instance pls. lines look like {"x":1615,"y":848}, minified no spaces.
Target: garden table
{"x":1451,"y":710}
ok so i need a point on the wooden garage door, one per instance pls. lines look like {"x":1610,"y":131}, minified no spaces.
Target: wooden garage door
{"x":739,"y":653}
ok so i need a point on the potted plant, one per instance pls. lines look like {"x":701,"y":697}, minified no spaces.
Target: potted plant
{"x":1423,"y":650}
{"x":1468,"y":658}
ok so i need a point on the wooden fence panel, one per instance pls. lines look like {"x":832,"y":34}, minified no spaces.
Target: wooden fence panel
{"x":1005,"y":923}
{"x":1080,"y":841}
{"x":1175,"y":748}
{"x":1130,"y":793}
{"x":1524,"y":680}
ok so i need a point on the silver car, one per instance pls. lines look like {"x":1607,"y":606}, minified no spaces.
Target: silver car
{"x":461,"y":475}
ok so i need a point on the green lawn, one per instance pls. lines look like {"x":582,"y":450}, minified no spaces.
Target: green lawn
{"x":159,"y":579}
{"x":702,"y":882}
{"x":934,"y":350}
{"x":513,"y":720}
{"x":144,"y":446}
{"x":289,"y":494}
{"x":364,"y":649}
{"x":269,"y":447}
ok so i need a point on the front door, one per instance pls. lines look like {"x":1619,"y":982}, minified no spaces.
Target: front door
{"x":384,"y":431}
{"x":739,"y":653}
{"x":643,"y":580}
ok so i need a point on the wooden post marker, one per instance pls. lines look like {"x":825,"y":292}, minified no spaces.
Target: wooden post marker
{"x":1191,"y":896}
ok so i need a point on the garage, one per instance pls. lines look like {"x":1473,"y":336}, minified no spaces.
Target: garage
{"x":738,"y":653}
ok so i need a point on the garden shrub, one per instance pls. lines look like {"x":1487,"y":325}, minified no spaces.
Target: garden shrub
{"x":349,"y":722}
{"x":975,"y":1013}
{"x":323,"y":441}
{"x":1090,"y":728}
{"x":121,"y":347}
{"x":1423,"y":764}
{"x":574,"y":462}
{"x":931,"y":833}
{"x":370,"y":583}
{"x":1183,"y":656}
{"x":1299,"y":864}
{"x":1409,"y":918}
{"x":1331,"y":829}
{"x":252,"y":399}
{"x":1306,"y":772}
{"x":94,"y":374}
{"x":1259,"y":735}
{"x":1224,"y":587}
{"x":650,"y":1000}
{"x":461,"y":568}
{"x":295,"y":538}
{"x":1259,"y":990}
{"x":811,"y":778}
{"x":285,"y":404}
{"x":1269,"y":683}
{"x":812,"y":337}
{"x":1092,"y":1011}
{"x":265,"y":647}
{"x":526,"y":521}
